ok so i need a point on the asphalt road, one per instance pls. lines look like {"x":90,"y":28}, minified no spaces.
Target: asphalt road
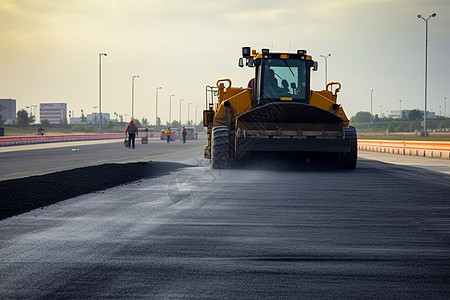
{"x":38,"y":159}
{"x":381,"y":231}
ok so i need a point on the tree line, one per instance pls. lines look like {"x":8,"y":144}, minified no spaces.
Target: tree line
{"x":25,"y":120}
{"x":366,"y":122}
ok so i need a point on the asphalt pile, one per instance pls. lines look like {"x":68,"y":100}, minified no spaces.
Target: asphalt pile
{"x":21,"y":195}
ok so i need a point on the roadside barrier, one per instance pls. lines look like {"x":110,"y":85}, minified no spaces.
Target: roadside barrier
{"x":412,"y":148}
{"x":35,"y":139}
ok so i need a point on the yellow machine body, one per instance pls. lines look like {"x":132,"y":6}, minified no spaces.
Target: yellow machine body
{"x":254,"y":120}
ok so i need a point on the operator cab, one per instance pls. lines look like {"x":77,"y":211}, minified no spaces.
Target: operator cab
{"x":280,"y":77}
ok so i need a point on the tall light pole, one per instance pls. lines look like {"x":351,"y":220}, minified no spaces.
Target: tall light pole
{"x":445,"y":107}
{"x":195,"y":122}
{"x":170,"y":110}
{"x":156,"y":108}
{"x":400,"y":108}
{"x":326,"y":67}
{"x":132,"y":96}
{"x":100,"y":90}
{"x":188,"y":120}
{"x":180,"y":110}
{"x":95,"y":116}
{"x":35,"y":107}
{"x":425,"y":132}
{"x":371,"y":96}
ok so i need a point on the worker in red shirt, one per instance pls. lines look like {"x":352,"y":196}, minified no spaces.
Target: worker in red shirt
{"x":132,"y":131}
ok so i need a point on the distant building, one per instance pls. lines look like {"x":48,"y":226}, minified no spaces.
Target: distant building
{"x":76,"y":120}
{"x":395,"y":114}
{"x":94,"y":118}
{"x":54,"y":113}
{"x":8,"y":111}
{"x":431,"y":115}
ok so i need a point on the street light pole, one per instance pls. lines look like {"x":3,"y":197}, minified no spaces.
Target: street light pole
{"x":188,"y":120}
{"x":445,"y":107}
{"x":132,"y":96}
{"x":195,"y":122}
{"x":35,"y":112}
{"x":170,"y":110}
{"x":180,"y":110}
{"x":326,"y":67}
{"x":95,"y":116}
{"x":371,"y":96}
{"x":425,"y":132}
{"x":156,"y":108}
{"x":100,"y":89}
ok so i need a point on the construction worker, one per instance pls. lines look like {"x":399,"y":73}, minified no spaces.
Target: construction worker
{"x":168,"y":132}
{"x":184,"y":133}
{"x":132,"y":131}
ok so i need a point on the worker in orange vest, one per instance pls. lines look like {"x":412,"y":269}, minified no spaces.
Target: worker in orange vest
{"x":132,"y":131}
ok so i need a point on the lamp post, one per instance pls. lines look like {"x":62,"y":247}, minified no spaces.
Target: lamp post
{"x":132,"y":96}
{"x":170,"y":110}
{"x":35,"y":112}
{"x":180,"y":110}
{"x":326,"y":67}
{"x":425,"y":132}
{"x":196,"y":107}
{"x":95,"y":116}
{"x":156,"y":108}
{"x":100,"y":89}
{"x":445,"y":107}
{"x":371,"y":96}
{"x":188,"y":120}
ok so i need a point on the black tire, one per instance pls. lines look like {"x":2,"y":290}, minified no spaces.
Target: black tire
{"x":350,"y":159}
{"x":220,"y":152}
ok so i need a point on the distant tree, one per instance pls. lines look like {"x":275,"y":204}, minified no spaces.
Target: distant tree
{"x":361,"y":117}
{"x":22,"y":118}
{"x":415,"y":114}
{"x":199,"y":126}
{"x":415,"y":126}
{"x":158,"y":121}
{"x":45,"y":123}
{"x":64,"y":123}
{"x":138,"y":124}
{"x":144,"y":122}
{"x":110,"y":125}
{"x":176,"y":124}
{"x":83,"y":118}
{"x":1,"y":120}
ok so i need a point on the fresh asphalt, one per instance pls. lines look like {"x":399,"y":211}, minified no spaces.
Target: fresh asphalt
{"x":381,"y":231}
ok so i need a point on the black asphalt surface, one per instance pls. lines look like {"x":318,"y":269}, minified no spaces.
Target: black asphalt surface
{"x":24,"y":194}
{"x":381,"y":231}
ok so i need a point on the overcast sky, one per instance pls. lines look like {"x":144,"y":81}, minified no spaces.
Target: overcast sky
{"x":49,"y":50}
